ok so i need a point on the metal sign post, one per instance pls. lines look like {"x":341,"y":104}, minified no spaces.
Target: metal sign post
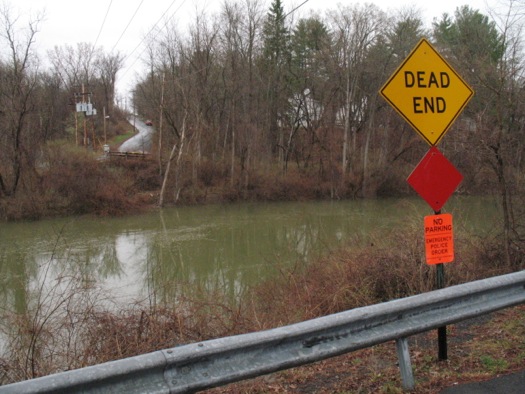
{"x":441,"y":331}
{"x":430,"y":95}
{"x":439,"y":249}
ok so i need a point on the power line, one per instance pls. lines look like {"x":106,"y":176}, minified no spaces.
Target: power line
{"x":296,"y":8}
{"x":103,"y":23}
{"x":165,"y":12}
{"x":156,"y":23}
{"x":149,"y":32}
{"x":129,"y":23}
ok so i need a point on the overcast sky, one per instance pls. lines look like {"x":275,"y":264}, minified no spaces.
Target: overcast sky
{"x":120,"y":25}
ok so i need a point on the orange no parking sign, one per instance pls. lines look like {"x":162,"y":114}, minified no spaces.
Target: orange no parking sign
{"x":439,"y":239}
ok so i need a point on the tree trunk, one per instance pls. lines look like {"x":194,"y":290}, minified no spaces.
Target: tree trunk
{"x":160,"y":123}
{"x":505,"y":202}
{"x":177,"y":163}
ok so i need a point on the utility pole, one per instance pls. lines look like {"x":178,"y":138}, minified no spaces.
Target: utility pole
{"x":76,"y":127}
{"x":85,"y":106}
{"x":85,"y":123}
{"x":134,"y":115}
{"x":105,"y":134}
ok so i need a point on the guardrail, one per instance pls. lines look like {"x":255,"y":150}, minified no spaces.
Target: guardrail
{"x":207,"y":364}
{"x":126,"y":154}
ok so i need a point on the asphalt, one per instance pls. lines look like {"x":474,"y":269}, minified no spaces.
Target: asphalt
{"x":507,"y":384}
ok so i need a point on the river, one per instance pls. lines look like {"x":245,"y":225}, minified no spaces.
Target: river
{"x":227,"y":247}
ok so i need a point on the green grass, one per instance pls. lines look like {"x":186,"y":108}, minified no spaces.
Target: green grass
{"x":119,"y":139}
{"x":494,"y":365}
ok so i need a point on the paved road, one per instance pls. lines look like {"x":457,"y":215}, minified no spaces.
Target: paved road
{"x":140,"y":142}
{"x":508,"y":384}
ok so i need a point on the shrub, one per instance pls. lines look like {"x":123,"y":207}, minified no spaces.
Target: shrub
{"x":142,"y":173}
{"x":358,"y":275}
{"x":77,"y":183}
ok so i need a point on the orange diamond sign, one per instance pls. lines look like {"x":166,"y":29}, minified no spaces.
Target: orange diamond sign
{"x":427,"y":92}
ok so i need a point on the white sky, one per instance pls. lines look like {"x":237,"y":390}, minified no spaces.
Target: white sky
{"x":123,"y":27}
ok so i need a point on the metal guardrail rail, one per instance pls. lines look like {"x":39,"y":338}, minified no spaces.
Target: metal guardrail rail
{"x":198,"y":366}
{"x":127,"y":154}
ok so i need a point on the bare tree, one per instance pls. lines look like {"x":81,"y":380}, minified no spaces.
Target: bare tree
{"x":107,"y":67}
{"x":356,"y":29}
{"x":74,"y":64}
{"x":490,"y":54}
{"x":241,"y":23}
{"x":164,"y":90}
{"x":18,"y":82}
{"x":177,"y":151}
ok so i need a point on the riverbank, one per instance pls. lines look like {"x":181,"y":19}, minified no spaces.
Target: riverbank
{"x":76,"y":182}
{"x":73,"y":180}
{"x":355,"y":274}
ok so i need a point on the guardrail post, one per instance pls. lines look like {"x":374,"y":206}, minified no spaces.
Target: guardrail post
{"x":217,"y":362}
{"x":405,"y":366}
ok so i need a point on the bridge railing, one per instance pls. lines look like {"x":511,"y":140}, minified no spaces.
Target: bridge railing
{"x":126,"y":154}
{"x":213,"y":363}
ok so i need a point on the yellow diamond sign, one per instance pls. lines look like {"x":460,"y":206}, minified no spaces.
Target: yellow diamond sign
{"x":427,"y":92}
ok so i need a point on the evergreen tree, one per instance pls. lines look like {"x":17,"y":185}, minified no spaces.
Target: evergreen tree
{"x":471,"y":35}
{"x":308,"y":41}
{"x":276,"y":36}
{"x":276,"y":52}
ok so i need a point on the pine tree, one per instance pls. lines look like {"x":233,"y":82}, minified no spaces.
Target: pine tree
{"x":276,"y":52}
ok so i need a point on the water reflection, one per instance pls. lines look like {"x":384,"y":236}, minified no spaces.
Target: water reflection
{"x":226,"y":248}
